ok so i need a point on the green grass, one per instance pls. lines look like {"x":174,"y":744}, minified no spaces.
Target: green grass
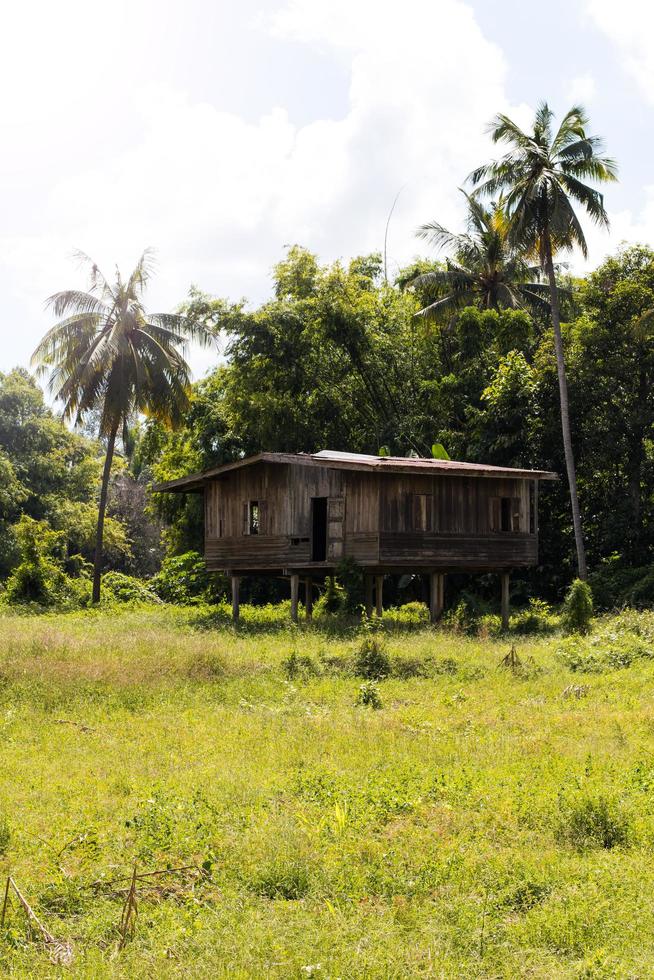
{"x":482,"y":822}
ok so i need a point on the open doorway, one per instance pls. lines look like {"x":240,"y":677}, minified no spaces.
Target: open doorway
{"x":318,"y":528}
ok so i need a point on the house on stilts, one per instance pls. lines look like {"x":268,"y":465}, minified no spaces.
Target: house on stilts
{"x":298,"y":515}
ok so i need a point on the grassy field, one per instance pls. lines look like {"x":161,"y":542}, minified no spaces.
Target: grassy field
{"x":480,"y":822}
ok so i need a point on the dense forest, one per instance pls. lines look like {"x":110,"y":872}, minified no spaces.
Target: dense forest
{"x":338,"y":358}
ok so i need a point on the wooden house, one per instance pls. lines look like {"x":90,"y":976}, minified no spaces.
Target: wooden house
{"x":298,"y":515}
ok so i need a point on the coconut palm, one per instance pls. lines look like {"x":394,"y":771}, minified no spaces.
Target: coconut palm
{"x":542,"y":176}
{"x":106,"y":355}
{"x":483,"y":268}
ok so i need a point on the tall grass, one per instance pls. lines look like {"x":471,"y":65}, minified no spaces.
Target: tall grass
{"x":480,"y":823}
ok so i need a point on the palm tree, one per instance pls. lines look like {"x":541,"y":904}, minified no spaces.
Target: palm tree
{"x":542,"y":174}
{"x":484,"y":269}
{"x":107,"y":355}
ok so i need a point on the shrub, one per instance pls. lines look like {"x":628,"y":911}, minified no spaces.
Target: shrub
{"x":5,"y":835}
{"x":615,"y":586}
{"x":371,"y":659}
{"x":537,"y":618}
{"x":462,"y":618}
{"x":595,"y":822}
{"x":124,"y":588}
{"x":282,"y":878}
{"x":368,"y":696}
{"x":333,"y":599}
{"x":350,"y":576}
{"x":578,"y":608}
{"x":406,"y":667}
{"x":299,"y":666}
{"x":184,"y":579}
{"x":39,"y":577}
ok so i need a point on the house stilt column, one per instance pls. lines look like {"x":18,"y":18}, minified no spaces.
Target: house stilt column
{"x":236,"y":587}
{"x":379,"y":594}
{"x":368,"y":584}
{"x":436,"y":595}
{"x":505,"y":600}
{"x":295,"y":595}
{"x":308,"y":599}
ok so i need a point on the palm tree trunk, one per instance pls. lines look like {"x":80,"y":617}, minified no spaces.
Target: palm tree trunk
{"x":565,"y":409}
{"x":106,"y":473}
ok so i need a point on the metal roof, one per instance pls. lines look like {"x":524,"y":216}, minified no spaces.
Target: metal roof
{"x":357,"y":461}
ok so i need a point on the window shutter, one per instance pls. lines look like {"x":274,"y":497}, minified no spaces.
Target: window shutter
{"x":263,"y":517}
{"x":515,"y":513}
{"x":246,"y":517}
{"x":494,"y":513}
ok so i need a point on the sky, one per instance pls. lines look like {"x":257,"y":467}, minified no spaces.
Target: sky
{"x":218,"y":133}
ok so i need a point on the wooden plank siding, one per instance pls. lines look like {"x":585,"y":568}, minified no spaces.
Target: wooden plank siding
{"x":379,"y":519}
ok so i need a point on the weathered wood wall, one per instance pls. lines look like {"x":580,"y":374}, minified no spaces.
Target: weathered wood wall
{"x":378,"y":519}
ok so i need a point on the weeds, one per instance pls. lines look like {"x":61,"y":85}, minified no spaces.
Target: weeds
{"x":479,"y":823}
{"x":369,"y":696}
{"x":594,"y":822}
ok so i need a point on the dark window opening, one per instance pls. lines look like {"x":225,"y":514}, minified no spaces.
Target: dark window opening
{"x":318,"y":528}
{"x":254,"y":522}
{"x":505,"y":520}
{"x":504,"y":514}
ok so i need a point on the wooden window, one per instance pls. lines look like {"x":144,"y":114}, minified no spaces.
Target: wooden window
{"x":254,"y":517}
{"x":254,"y":522}
{"x":421,"y":511}
{"x":504,"y":513}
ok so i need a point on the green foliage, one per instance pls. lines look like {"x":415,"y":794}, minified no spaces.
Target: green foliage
{"x":349,"y":575}
{"x":284,"y":877}
{"x":537,"y":618}
{"x":464,"y":617}
{"x":184,"y":579}
{"x":578,"y":608}
{"x":333,"y":600}
{"x":119,"y":587}
{"x":5,"y":835}
{"x":439,"y":451}
{"x":618,"y":642}
{"x":39,"y":577}
{"x":369,"y":696}
{"x":371,"y":659}
{"x":594,"y":822}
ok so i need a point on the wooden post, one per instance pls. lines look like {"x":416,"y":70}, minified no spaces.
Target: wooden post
{"x":308,"y":598}
{"x":295,"y":593}
{"x":505,"y":600}
{"x":379,"y":594}
{"x":236,"y":610}
{"x":436,"y":595}
{"x":367,"y":581}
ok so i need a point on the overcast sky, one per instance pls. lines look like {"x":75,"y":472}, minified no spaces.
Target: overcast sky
{"x":220,"y":132}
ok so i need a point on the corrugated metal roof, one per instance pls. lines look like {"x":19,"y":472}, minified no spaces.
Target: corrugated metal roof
{"x":359,"y":461}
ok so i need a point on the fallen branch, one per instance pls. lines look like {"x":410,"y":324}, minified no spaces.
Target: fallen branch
{"x":60,"y":952}
{"x":130,"y":912}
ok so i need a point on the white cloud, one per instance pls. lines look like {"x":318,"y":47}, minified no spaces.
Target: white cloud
{"x":220,"y":196}
{"x":629,"y":25}
{"x":581,"y":89}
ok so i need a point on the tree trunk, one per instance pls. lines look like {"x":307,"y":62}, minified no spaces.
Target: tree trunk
{"x":565,"y":410}
{"x":106,"y":473}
